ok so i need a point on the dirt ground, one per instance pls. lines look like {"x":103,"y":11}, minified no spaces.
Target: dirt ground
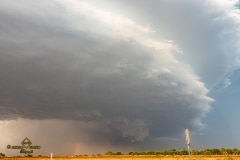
{"x":230,"y":157}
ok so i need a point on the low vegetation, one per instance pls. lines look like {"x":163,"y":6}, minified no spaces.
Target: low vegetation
{"x":135,"y":157}
{"x":171,"y":154}
{"x":209,"y":151}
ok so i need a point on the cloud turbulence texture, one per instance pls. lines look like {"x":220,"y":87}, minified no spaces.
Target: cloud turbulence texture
{"x":78,"y":61}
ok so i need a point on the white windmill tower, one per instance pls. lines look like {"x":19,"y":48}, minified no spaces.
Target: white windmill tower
{"x":188,"y":140}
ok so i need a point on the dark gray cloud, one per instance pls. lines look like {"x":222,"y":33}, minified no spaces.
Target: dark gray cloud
{"x":81,"y":63}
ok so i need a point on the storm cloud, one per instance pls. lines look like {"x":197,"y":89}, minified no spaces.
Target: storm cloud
{"x":78,"y":62}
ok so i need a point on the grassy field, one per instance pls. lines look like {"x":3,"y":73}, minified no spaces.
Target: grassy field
{"x":232,"y":157}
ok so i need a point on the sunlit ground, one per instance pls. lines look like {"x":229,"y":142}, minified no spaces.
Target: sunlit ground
{"x":200,"y":157}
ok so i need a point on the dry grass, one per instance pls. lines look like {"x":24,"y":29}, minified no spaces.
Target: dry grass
{"x":232,"y":157}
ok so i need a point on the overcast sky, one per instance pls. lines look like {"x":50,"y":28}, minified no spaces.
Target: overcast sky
{"x":90,"y":76}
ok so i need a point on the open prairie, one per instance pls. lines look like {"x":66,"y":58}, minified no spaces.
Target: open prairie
{"x":200,"y":157}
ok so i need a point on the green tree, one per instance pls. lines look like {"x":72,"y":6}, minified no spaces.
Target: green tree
{"x":183,"y":152}
{"x":150,"y":153}
{"x":235,"y":151}
{"x":130,"y":153}
{"x":223,"y":151}
{"x":194,"y":152}
{"x":215,"y":151}
{"x":109,"y":153}
{"x":118,"y":153}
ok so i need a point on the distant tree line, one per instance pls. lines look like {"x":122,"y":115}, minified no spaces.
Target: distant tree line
{"x":209,"y":151}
